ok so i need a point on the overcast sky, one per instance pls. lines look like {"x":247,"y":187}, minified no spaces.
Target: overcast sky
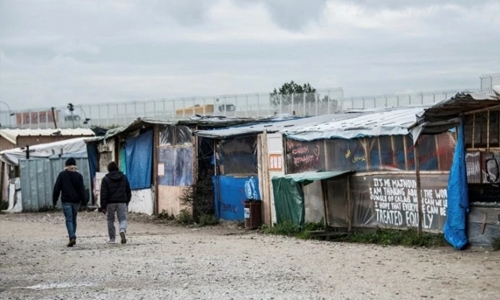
{"x":57,"y":51}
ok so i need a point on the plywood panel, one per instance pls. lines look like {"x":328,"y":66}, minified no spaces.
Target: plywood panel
{"x":169,"y":199}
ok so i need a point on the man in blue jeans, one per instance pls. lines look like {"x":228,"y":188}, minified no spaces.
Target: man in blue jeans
{"x":115,"y":197}
{"x":69,"y":185}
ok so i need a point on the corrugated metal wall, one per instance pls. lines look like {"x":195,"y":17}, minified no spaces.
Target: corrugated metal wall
{"x":38,"y":177}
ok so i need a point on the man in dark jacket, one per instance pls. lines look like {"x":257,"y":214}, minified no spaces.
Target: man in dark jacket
{"x":115,"y":196}
{"x":70,"y":185}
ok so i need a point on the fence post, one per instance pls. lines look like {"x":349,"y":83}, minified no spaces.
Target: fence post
{"x":304,"y":102}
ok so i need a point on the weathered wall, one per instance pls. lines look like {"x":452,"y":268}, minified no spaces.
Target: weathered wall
{"x":313,"y":203}
{"x":141,"y":202}
{"x":169,"y":199}
{"x":5,"y":144}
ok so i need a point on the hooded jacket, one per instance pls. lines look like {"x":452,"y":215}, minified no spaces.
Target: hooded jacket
{"x":115,"y":188}
{"x":69,"y":185}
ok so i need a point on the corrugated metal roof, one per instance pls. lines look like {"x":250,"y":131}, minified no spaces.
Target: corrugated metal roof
{"x":269,"y":126}
{"x":394,"y":121}
{"x":446,"y":114}
{"x":12,"y":134}
{"x":76,"y":145}
{"x":201,"y":121}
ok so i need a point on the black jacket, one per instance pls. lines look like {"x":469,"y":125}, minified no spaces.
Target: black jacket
{"x":70,"y":185}
{"x":115,"y":188}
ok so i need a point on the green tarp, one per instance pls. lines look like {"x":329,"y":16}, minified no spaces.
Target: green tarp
{"x":289,"y":196}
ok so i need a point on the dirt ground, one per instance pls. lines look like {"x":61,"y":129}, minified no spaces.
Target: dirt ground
{"x":162,"y":261}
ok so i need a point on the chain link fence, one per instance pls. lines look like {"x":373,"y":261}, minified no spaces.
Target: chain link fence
{"x":325,"y":101}
{"x":488,"y":81}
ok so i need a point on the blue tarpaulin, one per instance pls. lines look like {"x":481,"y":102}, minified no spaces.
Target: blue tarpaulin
{"x":231,"y":193}
{"x":458,"y":196}
{"x":139,"y":160}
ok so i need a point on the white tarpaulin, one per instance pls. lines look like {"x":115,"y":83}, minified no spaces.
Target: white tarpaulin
{"x":387,"y":121}
{"x":73,"y":146}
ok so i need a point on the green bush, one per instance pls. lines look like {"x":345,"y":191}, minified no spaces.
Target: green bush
{"x":165,"y":216}
{"x":388,"y":237}
{"x":496,"y":244}
{"x":208,"y":220}
{"x":200,"y":197}
{"x":185,"y":217}
{"x":286,"y":228}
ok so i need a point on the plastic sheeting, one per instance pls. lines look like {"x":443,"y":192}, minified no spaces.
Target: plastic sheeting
{"x":458,"y":196}
{"x":395,"y":121}
{"x":395,"y":153}
{"x":175,"y":135}
{"x":178,"y":166}
{"x":483,"y":226}
{"x":75,"y":145}
{"x":288,"y":201}
{"x":93,"y":157}
{"x":289,"y":194}
{"x":123,"y":161}
{"x":231,"y":193}
{"x":237,"y":156}
{"x":139,"y":153}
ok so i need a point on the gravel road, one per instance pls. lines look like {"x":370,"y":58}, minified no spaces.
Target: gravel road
{"x":164,"y":261}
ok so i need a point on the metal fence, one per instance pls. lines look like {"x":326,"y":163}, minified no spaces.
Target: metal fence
{"x":325,"y":101}
{"x":488,"y":81}
{"x":38,"y":176}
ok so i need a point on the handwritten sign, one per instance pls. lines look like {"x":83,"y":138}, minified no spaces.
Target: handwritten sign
{"x":304,"y":156}
{"x":396,"y":202}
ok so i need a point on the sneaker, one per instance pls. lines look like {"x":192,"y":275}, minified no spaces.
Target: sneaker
{"x":111,"y":242}
{"x":72,"y":242}
{"x":124,"y":239}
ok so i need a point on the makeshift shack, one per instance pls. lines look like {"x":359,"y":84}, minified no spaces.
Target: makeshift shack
{"x":37,"y":168}
{"x":383,"y":190}
{"x":159,"y":157}
{"x":474,"y":192}
{"x":241,"y":164}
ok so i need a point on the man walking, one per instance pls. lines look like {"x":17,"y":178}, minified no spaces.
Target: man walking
{"x":115,"y":196}
{"x":69,"y":185}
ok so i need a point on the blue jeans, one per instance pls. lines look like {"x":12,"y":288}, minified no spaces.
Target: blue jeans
{"x":70,"y":212}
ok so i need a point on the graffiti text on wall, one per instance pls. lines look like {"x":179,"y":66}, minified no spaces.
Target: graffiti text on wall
{"x":396,"y":203}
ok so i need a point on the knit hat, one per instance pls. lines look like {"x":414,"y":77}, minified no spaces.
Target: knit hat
{"x":112,"y":166}
{"x":71,"y":162}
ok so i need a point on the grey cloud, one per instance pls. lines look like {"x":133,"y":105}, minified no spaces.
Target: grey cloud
{"x":292,"y":15}
{"x":404,"y":4}
{"x":185,"y":12}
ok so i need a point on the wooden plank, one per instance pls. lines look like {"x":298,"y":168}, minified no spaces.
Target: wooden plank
{"x":349,"y":214}
{"x":488,"y":132}
{"x":419,"y":194}
{"x":406,"y":154}
{"x":473,"y":130}
{"x":473,"y":112}
{"x":483,"y":226}
{"x":436,"y":142}
{"x":393,"y":147}
{"x":156,"y":142}
{"x":327,"y":167}
{"x":379,"y":152}
{"x":324,"y":192}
